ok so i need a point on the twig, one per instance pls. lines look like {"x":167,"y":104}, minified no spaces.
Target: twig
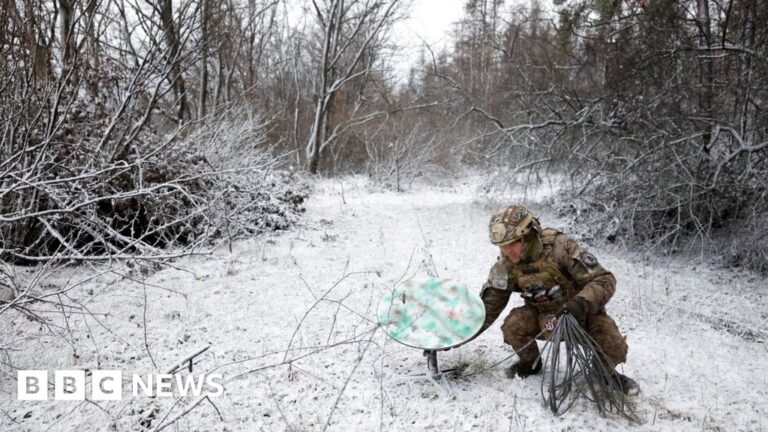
{"x":186,"y":359}
{"x":314,"y":351}
{"x":314,"y":305}
{"x":349,"y":377}
{"x":279,"y":408}
{"x":144,"y":318}
{"x":343,"y":200}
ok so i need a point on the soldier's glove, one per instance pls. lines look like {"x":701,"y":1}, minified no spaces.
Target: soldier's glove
{"x":578,"y":308}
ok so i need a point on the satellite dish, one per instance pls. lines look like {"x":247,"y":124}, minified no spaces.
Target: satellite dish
{"x":431,"y":314}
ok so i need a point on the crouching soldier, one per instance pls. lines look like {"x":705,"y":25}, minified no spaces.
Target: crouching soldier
{"x":553,"y":274}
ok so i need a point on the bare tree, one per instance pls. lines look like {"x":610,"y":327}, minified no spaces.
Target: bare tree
{"x":164,"y":9}
{"x":348,"y":30}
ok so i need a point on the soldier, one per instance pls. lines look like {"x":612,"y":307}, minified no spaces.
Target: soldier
{"x":553,"y":274}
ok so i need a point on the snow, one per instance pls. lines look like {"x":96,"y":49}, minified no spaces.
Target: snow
{"x":697,"y":344}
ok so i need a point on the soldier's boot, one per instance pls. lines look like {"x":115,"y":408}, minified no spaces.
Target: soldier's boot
{"x":523,"y":370}
{"x":628,"y":385}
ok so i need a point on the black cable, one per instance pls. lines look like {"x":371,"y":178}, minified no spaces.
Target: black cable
{"x":580,"y":368}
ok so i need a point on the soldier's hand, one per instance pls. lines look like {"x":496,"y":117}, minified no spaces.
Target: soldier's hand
{"x":578,"y":308}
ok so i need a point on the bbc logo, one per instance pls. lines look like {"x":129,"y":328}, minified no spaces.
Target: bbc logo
{"x":107,"y":385}
{"x":69,"y":385}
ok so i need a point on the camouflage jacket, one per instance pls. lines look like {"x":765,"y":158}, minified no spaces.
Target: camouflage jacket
{"x":563,"y":270}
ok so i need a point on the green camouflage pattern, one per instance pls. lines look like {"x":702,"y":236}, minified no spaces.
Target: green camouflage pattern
{"x":432,"y":314}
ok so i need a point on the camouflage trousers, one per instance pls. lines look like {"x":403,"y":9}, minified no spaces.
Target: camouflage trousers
{"x":524,"y":323}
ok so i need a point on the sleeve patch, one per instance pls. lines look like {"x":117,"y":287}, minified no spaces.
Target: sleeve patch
{"x":499,"y":276}
{"x":588,"y":259}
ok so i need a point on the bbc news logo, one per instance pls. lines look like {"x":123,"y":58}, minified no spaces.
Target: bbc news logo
{"x":106,"y":385}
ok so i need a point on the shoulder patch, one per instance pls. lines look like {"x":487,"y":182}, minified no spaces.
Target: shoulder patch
{"x":499,"y":276}
{"x":588,"y":259}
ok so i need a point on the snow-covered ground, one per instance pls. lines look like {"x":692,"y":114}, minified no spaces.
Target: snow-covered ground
{"x":291,"y":323}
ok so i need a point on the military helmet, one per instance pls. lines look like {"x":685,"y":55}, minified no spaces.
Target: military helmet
{"x":512,"y":224}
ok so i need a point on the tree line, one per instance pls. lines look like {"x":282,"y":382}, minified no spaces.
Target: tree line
{"x":129,"y":125}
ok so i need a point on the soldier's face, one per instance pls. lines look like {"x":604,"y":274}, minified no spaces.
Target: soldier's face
{"x":513,"y":251}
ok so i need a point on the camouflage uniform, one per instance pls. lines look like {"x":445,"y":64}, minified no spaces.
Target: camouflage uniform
{"x":553,"y":270}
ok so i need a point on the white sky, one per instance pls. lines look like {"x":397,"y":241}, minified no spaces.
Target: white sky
{"x":431,"y":21}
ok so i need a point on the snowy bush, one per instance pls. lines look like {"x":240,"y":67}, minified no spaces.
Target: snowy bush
{"x":673,"y":196}
{"x":70,"y":197}
{"x":395,"y":159}
{"x":250,"y":195}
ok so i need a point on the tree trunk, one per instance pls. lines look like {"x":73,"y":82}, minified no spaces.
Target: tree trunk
{"x":203,"y":59}
{"x":706,"y":78}
{"x":40,"y":49}
{"x":174,"y":52}
{"x":317,"y":136}
{"x":67,"y":9}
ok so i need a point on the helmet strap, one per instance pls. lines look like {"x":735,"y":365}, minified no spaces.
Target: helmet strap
{"x":532,"y":246}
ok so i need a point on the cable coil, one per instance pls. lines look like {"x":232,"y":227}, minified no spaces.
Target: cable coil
{"x":580,"y":368}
